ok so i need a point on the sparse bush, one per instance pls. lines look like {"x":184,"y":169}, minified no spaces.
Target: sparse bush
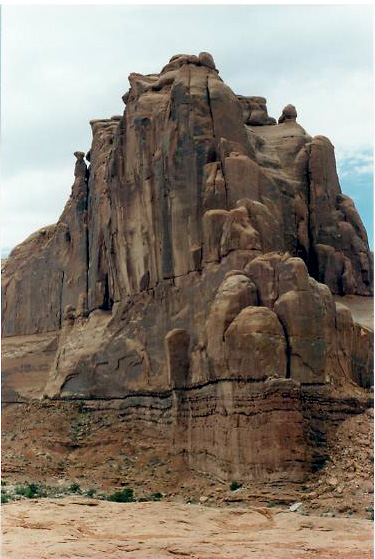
{"x":75,"y":488}
{"x":90,"y":492}
{"x":124,"y":496}
{"x":4,"y":498}
{"x":30,"y":491}
{"x":19,"y":490}
{"x":3,"y":482}
{"x":235,"y":485}
{"x":156,"y":496}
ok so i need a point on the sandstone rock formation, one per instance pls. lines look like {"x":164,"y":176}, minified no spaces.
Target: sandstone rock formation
{"x":193,"y":271}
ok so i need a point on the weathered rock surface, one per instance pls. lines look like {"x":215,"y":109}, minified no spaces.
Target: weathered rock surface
{"x":93,"y":529}
{"x":196,"y":260}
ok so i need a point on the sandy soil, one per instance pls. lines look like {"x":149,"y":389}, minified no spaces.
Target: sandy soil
{"x":84,"y":528}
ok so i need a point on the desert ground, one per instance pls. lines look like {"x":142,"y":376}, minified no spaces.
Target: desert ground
{"x":85,"y":528}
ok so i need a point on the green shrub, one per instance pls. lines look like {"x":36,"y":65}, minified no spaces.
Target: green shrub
{"x":75,"y":488}
{"x":3,"y":482}
{"x":90,"y":492}
{"x":235,"y":485}
{"x":4,"y":498}
{"x":20,"y":490}
{"x":156,"y":496}
{"x":124,"y":496}
{"x":30,"y":491}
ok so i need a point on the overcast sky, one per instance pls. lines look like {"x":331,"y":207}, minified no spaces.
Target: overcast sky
{"x":65,"y":65}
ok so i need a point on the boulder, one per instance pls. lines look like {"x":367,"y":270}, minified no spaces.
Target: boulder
{"x":235,"y":293}
{"x":289,"y":114}
{"x":255,"y":346}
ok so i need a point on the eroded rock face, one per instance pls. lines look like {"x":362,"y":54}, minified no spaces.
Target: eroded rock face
{"x":255,"y":345}
{"x":196,"y":259}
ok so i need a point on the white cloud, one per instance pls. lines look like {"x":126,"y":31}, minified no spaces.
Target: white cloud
{"x":364,"y":169}
{"x":355,"y":162}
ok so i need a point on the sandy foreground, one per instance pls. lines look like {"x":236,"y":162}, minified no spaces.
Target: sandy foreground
{"x":85,"y":528}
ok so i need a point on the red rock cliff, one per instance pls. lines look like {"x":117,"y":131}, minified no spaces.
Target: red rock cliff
{"x":196,"y":259}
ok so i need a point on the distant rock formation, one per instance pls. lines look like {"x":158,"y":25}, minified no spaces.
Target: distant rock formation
{"x":195,"y":264}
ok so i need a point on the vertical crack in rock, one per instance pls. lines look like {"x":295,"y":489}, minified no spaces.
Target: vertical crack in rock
{"x":61,"y":311}
{"x":217,"y":140}
{"x":288,"y":351}
{"x":87,"y":235}
{"x":210,"y":109}
{"x":312,"y":257}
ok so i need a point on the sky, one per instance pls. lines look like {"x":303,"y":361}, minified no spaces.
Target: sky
{"x":65,"y":65}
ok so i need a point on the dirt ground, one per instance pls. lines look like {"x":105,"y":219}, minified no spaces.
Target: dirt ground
{"x":76,"y":527}
{"x":58,"y":444}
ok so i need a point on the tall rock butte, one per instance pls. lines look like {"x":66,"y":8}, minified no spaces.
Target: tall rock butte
{"x":191,"y":277}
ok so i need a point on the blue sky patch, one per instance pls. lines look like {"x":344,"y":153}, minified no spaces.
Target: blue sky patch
{"x":356,"y":176}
